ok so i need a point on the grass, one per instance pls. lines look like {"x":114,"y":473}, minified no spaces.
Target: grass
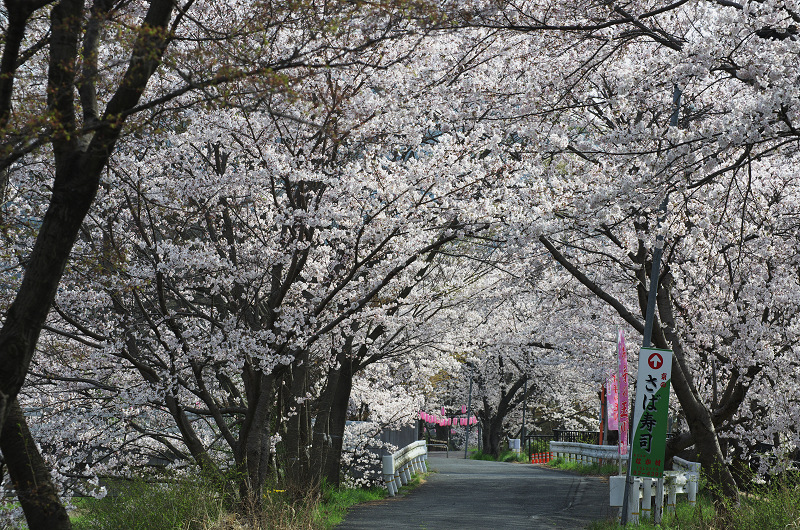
{"x":583,"y":469}
{"x":773,"y":507}
{"x":336,"y":501}
{"x":140,"y":505}
{"x":198,"y":505}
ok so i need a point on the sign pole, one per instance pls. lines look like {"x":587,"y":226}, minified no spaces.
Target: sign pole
{"x":651,"y":301}
{"x":469,"y":413}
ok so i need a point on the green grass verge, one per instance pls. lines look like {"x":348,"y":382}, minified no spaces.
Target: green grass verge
{"x":140,"y":505}
{"x":583,"y":469}
{"x":774,"y":507}
{"x":336,"y":501}
{"x":197,"y":505}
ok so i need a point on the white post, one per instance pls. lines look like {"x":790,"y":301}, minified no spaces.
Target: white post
{"x":692,"y":488}
{"x":647,"y":498}
{"x":671,"y":490}
{"x":388,"y":474}
{"x":633,"y":501}
{"x":659,"y":501}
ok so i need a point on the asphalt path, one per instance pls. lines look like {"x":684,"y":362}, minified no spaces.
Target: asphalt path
{"x":488,"y":495}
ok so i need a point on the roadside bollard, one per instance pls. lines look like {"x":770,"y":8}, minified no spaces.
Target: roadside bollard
{"x":647,"y":498}
{"x":692,"y":488}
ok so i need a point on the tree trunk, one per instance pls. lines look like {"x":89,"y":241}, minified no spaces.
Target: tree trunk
{"x":321,"y":439}
{"x":332,"y":465}
{"x":295,"y":437}
{"x":30,"y":476}
{"x":700,"y":419}
{"x":492,"y":435}
{"x":252,"y":452}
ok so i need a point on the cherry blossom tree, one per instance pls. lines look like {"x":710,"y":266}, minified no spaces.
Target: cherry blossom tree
{"x":197,"y":53}
{"x":610,"y":159}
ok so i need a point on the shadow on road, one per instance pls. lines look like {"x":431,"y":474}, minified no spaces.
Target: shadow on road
{"x":489,"y":495}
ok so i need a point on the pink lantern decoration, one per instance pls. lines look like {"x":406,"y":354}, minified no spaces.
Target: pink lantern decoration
{"x":463,"y":409}
{"x":443,"y":412}
{"x":463,"y":422}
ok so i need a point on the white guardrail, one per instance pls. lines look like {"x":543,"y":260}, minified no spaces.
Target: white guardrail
{"x":682,"y":479}
{"x":400,"y":465}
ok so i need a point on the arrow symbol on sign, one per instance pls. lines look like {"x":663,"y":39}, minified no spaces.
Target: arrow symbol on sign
{"x":655,"y":361}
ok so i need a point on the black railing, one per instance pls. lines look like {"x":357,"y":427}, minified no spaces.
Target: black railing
{"x":584,"y":437}
{"x":540,"y":443}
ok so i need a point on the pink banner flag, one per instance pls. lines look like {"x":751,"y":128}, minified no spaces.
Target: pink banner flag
{"x":623,"y":405}
{"x":612,"y":393}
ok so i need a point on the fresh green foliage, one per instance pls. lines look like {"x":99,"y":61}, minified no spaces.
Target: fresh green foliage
{"x":336,"y":501}
{"x":770,"y":507}
{"x":539,"y":446}
{"x":198,"y":504}
{"x":686,"y":516}
{"x":592,"y":469}
{"x":138,"y":504}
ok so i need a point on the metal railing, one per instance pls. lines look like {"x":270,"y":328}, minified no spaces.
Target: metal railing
{"x":538,"y":443}
{"x":400,"y":465}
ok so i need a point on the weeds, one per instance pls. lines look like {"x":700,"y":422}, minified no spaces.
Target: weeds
{"x":769,"y":507}
{"x":336,"y":501}
{"x":137,"y":504}
{"x":197,"y":504}
{"x":583,"y":469}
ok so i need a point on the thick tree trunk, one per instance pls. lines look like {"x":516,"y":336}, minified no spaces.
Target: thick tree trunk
{"x":321,"y":439}
{"x":492,"y":435}
{"x":30,"y":476}
{"x":77,"y":178}
{"x":332,"y":465}
{"x":295,"y":437}
{"x":253,"y":450}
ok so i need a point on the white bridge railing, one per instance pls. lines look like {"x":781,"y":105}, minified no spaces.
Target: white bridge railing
{"x":682,"y":479}
{"x":400,"y":465}
{"x":585,"y":453}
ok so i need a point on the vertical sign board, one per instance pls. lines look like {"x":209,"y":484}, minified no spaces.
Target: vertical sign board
{"x":622,"y":401}
{"x":651,"y":412}
{"x":612,"y":402}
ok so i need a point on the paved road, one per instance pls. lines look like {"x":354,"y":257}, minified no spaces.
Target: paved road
{"x":469,"y":494}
